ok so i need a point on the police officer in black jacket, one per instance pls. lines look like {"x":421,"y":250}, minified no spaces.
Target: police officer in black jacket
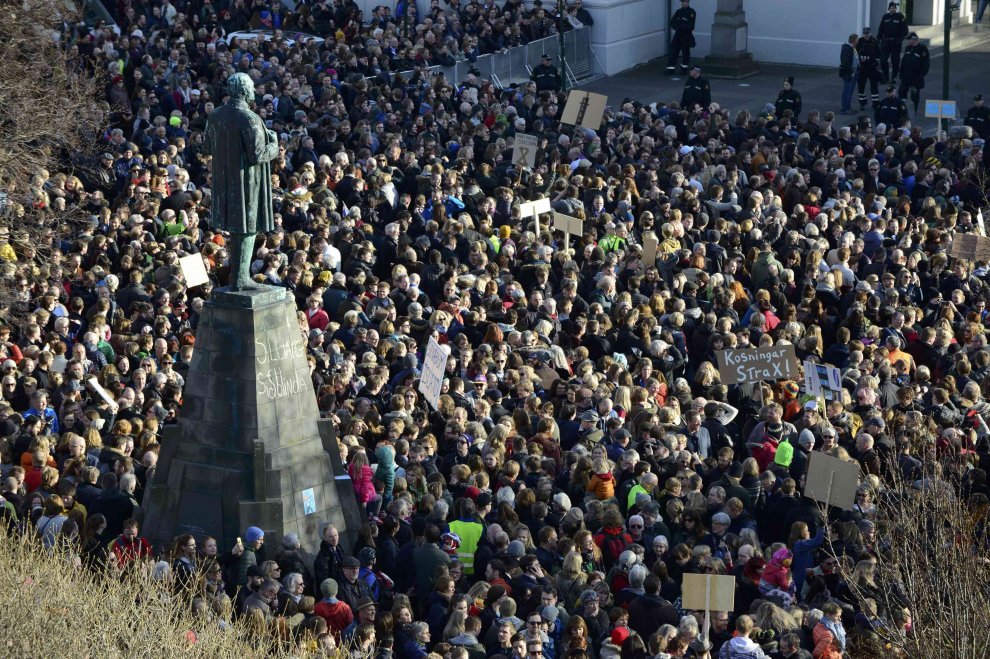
{"x":978,"y":117}
{"x":869,"y":68}
{"x":914,"y":68}
{"x":892,"y":110}
{"x":545,"y":75}
{"x":682,"y":25}
{"x":893,"y":30}
{"x":788,"y":99}
{"x":696,"y":91}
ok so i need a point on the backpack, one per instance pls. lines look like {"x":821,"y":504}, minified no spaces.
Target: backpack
{"x":612,"y":545}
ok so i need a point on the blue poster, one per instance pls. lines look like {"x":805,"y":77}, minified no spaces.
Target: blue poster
{"x":309,"y":501}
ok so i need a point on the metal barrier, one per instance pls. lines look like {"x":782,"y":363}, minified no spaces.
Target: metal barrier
{"x":514,"y":64}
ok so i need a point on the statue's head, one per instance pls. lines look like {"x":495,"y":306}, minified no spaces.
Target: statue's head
{"x":240,"y":86}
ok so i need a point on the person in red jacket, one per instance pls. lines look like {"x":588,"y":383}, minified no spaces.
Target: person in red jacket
{"x":129,"y":545}
{"x":337,"y":614}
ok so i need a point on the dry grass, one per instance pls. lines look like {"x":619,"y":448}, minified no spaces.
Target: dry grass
{"x":53,"y":609}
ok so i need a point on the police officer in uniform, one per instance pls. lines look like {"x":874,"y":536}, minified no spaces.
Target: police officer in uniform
{"x":788,"y":99}
{"x":892,"y":32}
{"x":696,"y":91}
{"x":892,"y":110}
{"x":978,"y":117}
{"x":545,"y":75}
{"x":869,"y":68}
{"x":914,"y":68}
{"x":682,"y":25}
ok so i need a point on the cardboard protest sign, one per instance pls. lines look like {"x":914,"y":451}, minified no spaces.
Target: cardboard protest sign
{"x":831,"y":480}
{"x":708,"y":592}
{"x":757,"y":364}
{"x":524,"y":150}
{"x":194,"y":270}
{"x":434,"y":366}
{"x":584,"y":109}
{"x":650,"y":245}
{"x":970,"y":246}
{"x":571,"y":226}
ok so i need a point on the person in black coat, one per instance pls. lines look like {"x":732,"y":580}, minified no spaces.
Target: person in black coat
{"x":328,"y":560}
{"x":788,"y":99}
{"x":649,"y":611}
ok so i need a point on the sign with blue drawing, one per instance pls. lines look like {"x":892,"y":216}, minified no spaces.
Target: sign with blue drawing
{"x":309,"y":501}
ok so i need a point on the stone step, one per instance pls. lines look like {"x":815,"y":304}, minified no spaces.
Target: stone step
{"x":960,"y":38}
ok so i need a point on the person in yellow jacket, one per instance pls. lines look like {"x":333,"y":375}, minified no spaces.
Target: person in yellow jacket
{"x":469,"y":529}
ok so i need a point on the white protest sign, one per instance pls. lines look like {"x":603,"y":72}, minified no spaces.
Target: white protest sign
{"x":98,"y":389}
{"x":434,"y":366}
{"x":571,"y":226}
{"x":194,"y":270}
{"x":533,"y":209}
{"x":822,"y":380}
{"x":524,"y":150}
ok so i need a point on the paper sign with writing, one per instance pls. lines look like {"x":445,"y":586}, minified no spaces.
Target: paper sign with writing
{"x":434,"y":365}
{"x":194,"y":270}
{"x":708,"y":592}
{"x":584,"y":109}
{"x":524,"y":150}
{"x":831,"y":480}
{"x":757,"y":364}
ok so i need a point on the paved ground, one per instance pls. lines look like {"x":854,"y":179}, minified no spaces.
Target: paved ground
{"x":820,"y":88}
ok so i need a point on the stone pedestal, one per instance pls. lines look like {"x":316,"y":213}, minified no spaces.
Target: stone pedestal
{"x":247,"y":449}
{"x":729,"y":57}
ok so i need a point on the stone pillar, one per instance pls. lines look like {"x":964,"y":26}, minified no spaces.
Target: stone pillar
{"x":729,"y":57}
{"x":248,"y":449}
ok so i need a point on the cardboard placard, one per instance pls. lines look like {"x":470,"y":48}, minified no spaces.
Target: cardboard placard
{"x":822,"y":380}
{"x":650,"y":245}
{"x":584,"y":109}
{"x":434,"y":366}
{"x":708,"y":592}
{"x":194,"y":270}
{"x":980,"y":224}
{"x":757,"y":364}
{"x":524,"y":149}
{"x":571,"y":226}
{"x":831,"y":480}
{"x":970,"y":246}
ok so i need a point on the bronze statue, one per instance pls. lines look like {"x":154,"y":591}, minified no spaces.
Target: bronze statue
{"x":242,"y":148}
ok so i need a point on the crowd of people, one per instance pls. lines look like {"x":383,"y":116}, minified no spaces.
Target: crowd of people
{"x":584,"y":455}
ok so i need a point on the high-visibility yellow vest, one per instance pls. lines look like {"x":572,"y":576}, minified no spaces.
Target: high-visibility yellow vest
{"x":470,"y":535}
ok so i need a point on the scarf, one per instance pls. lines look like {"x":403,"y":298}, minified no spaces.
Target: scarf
{"x":837,"y":630}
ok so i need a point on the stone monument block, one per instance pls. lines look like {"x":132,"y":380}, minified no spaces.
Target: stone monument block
{"x":247,"y":449}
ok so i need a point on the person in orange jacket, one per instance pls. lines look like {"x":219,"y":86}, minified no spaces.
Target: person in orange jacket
{"x":602,"y":483}
{"x":829,"y":634}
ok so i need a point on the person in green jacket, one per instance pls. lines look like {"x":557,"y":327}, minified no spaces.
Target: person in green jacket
{"x":254,"y":538}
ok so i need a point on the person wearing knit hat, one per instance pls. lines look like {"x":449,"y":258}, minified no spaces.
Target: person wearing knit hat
{"x":254,"y":538}
{"x":337,"y":614}
{"x":788,"y":99}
